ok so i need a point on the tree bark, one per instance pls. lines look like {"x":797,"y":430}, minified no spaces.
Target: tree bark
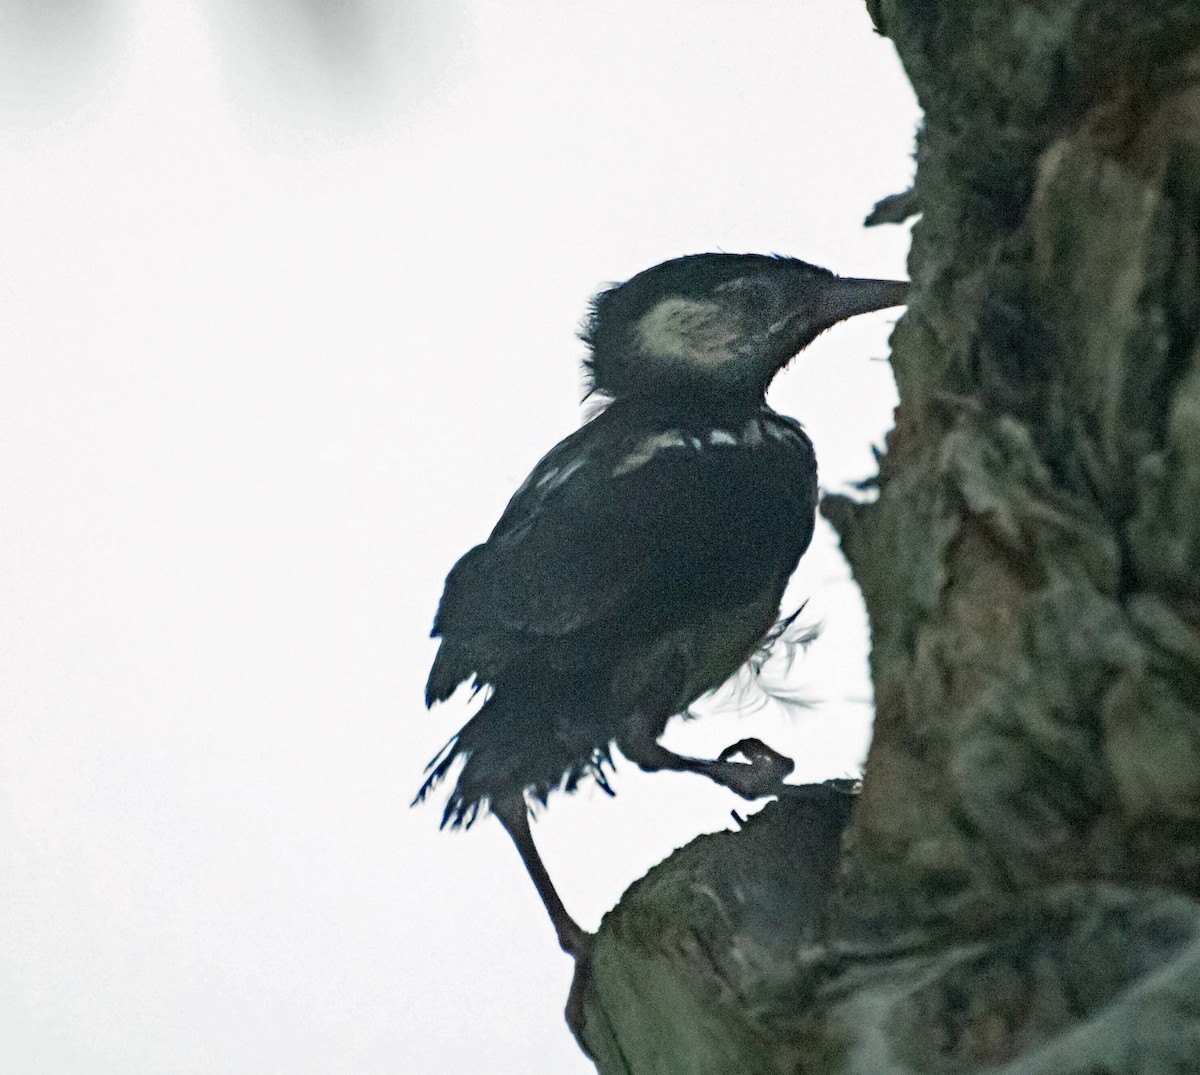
{"x":1017,"y":890}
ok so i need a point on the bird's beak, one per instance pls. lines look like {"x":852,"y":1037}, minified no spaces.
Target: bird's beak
{"x":838,"y":299}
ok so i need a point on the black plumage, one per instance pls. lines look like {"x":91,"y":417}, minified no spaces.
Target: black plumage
{"x":644,"y":559}
{"x":639,"y":566}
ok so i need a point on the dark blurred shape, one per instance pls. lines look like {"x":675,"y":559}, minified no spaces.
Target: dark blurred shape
{"x":52,"y":54}
{"x":331,"y":60}
{"x":342,"y":40}
{"x":326,"y":59}
{"x":341,"y":32}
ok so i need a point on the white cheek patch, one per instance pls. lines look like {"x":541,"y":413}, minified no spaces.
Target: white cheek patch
{"x":679,"y":330}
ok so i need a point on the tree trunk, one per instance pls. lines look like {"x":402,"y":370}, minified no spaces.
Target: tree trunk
{"x":1017,"y":888}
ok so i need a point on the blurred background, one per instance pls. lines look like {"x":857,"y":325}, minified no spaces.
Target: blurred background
{"x":288,"y":300}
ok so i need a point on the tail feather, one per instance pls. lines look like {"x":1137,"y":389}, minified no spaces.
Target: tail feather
{"x":459,"y":811}
{"x":441,"y":763}
{"x":502,"y":759}
{"x":448,"y":671}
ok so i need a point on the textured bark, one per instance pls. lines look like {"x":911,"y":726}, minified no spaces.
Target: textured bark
{"x":1019,"y":887}
{"x":706,"y":947}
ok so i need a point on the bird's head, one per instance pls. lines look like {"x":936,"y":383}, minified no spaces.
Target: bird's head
{"x":717,"y":325}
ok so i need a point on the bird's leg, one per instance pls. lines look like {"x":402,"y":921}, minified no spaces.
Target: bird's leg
{"x":572,"y":938}
{"x":514,"y":816}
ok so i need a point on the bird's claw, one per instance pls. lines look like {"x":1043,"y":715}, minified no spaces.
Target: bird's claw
{"x":761,"y":774}
{"x":758,"y":753}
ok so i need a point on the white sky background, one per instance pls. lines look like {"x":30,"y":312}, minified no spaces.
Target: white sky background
{"x":279,"y":340}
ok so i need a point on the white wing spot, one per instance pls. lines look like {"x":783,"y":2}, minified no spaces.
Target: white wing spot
{"x":557,"y":476}
{"x":752,"y":434}
{"x":648,"y":448}
{"x":721,"y":436}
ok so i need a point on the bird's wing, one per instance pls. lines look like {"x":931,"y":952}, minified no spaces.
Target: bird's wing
{"x":612,"y":520}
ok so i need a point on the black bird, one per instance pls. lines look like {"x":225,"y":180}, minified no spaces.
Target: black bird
{"x":644,"y":559}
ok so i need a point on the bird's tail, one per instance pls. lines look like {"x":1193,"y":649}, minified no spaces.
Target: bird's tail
{"x":509,"y":749}
{"x":441,"y":764}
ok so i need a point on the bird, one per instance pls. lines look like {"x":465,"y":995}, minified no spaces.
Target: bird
{"x":644,"y":559}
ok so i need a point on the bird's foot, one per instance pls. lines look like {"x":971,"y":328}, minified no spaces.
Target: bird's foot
{"x":762,"y":773}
